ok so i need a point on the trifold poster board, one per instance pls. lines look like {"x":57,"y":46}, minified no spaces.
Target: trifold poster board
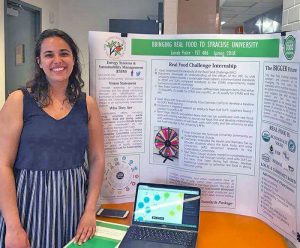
{"x":220,"y":112}
{"x":108,"y":235}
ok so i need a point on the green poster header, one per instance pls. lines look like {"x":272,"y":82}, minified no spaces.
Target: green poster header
{"x":206,"y":47}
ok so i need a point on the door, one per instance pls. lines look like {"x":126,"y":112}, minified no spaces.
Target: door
{"x":22,"y":27}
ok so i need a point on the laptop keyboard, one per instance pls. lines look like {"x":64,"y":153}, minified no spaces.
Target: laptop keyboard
{"x":163,"y":235}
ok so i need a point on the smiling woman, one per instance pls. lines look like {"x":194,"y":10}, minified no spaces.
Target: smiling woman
{"x":46,"y":128}
{"x":56,"y":60}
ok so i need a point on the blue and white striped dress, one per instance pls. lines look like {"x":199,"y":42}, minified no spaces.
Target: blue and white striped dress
{"x":51,"y":175}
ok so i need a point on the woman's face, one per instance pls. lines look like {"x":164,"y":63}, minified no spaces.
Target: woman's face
{"x":56,"y":60}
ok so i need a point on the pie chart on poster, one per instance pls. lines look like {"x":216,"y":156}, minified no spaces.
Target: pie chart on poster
{"x":167,"y":142}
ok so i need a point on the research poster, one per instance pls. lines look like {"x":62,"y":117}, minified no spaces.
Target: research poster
{"x":220,"y":112}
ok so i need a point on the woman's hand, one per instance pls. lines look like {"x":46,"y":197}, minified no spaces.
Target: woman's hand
{"x":86,"y":227}
{"x":16,"y":238}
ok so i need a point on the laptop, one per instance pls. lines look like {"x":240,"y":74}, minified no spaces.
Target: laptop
{"x":164,"y":216}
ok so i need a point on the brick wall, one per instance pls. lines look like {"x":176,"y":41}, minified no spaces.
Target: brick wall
{"x":291,"y":15}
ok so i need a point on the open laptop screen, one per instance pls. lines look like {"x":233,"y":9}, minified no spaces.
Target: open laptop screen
{"x":167,"y":206}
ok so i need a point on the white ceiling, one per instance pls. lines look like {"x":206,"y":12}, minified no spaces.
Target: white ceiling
{"x":235,"y":12}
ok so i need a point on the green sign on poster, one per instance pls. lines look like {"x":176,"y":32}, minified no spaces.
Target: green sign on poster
{"x":289,"y":48}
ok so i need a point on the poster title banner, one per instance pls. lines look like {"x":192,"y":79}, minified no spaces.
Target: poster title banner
{"x":206,"y":47}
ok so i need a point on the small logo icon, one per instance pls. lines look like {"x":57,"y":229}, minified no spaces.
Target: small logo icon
{"x":289,"y":47}
{"x":286,"y":156}
{"x":291,"y":169}
{"x":120,"y":175}
{"x":266,"y":136}
{"x":115,"y":47}
{"x":291,"y":146}
{"x":271,"y":149}
{"x":266,"y":157}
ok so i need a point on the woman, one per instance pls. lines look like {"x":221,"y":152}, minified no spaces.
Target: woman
{"x":47,"y":195}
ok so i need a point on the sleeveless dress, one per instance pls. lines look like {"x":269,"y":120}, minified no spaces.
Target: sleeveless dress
{"x":51,"y":174}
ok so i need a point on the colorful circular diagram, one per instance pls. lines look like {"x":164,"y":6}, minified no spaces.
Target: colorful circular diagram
{"x":167,"y":142}
{"x":121,"y":177}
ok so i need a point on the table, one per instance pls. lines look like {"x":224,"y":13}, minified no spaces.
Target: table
{"x":223,"y":230}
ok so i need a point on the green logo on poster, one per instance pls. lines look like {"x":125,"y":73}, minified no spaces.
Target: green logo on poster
{"x":114,"y":47}
{"x":289,"y":48}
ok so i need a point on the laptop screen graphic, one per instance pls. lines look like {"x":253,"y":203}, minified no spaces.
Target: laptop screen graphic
{"x":177,"y":208}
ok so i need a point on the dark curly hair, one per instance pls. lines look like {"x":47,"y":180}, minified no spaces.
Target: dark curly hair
{"x":39,"y":85}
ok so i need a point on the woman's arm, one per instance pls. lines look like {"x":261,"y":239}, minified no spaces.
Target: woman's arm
{"x":87,"y":226}
{"x":11,"y":124}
